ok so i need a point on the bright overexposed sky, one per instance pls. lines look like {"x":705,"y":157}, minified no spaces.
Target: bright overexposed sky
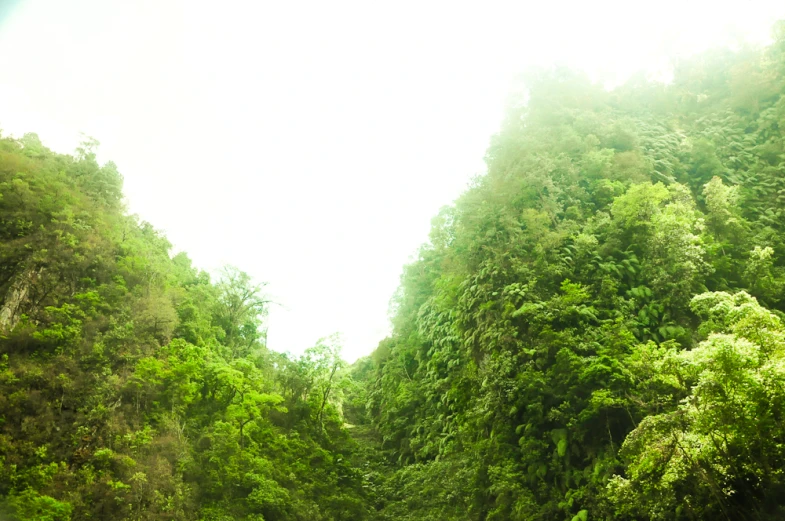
{"x":309,"y":143}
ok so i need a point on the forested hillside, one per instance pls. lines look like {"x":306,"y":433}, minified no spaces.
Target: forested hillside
{"x":594,"y":331}
{"x":134,"y":387}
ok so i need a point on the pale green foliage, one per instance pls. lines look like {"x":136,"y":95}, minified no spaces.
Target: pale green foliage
{"x":718,"y":453}
{"x":722,"y":208}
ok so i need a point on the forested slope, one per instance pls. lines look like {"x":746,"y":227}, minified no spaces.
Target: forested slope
{"x":594,"y":329}
{"x":131,"y":385}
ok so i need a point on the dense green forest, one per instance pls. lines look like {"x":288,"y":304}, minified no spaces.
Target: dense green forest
{"x":595,"y":330}
{"x":132,"y":386}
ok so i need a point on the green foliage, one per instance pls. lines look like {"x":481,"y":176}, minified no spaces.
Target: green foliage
{"x":549,"y":358}
{"x":31,"y":506}
{"x":718,"y":453}
{"x":132,"y":387}
{"x":546,"y":341}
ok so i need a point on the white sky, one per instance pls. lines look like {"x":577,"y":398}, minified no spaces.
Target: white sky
{"x":310,"y":142}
